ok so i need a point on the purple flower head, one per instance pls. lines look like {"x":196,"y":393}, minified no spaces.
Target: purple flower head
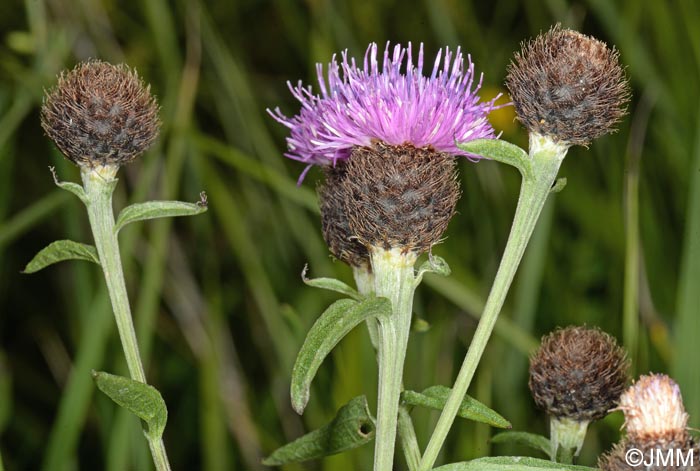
{"x":358,"y":105}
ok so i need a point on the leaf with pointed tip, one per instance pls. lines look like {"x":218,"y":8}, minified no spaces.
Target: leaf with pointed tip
{"x":352,"y":427}
{"x":501,"y":151}
{"x":435,"y":397}
{"x":59,"y":251}
{"x":158,"y":209}
{"x":339,"y":319}
{"x":511,"y":463}
{"x":434,"y":264}
{"x":537,"y":442}
{"x":331,"y":284}
{"x":141,"y":399}
{"x":74,"y":188}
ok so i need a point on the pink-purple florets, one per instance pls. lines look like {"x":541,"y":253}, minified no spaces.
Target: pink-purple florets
{"x":358,"y":105}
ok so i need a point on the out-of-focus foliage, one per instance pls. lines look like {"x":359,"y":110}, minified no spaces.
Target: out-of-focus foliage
{"x":220,"y":307}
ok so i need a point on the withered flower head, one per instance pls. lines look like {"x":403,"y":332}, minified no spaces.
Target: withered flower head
{"x":578,"y":373}
{"x":568,"y":86}
{"x":100,"y":114}
{"x":340,"y":239}
{"x":399,"y":196}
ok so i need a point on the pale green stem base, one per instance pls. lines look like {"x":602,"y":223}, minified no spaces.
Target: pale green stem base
{"x":566,"y":436}
{"x":394,"y":279}
{"x":99,"y":184}
{"x":539,"y":174}
{"x":364,"y":280}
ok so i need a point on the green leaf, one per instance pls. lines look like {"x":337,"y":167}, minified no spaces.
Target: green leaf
{"x":74,"y":188}
{"x":352,"y":427}
{"x":141,"y":399}
{"x":559,"y":184}
{"x":501,"y":151}
{"x":331,"y":284}
{"x":159,"y":209}
{"x":511,"y":463}
{"x":434,"y":264}
{"x":435,"y":397}
{"x":538,"y":442}
{"x":339,"y":319}
{"x":59,"y":251}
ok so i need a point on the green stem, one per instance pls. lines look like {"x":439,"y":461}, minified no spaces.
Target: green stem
{"x":539,"y":174}
{"x":395,"y":280}
{"x":364,"y":280}
{"x":99,"y":185}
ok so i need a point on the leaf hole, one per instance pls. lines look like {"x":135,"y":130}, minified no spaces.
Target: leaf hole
{"x":365,"y":429}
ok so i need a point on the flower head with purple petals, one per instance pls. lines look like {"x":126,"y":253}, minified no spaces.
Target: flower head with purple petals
{"x":382,"y":102}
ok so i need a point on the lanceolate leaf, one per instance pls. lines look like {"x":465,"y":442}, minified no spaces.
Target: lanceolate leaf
{"x":435,"y":397}
{"x":538,"y":442}
{"x":339,"y":319}
{"x":511,"y":463}
{"x":352,"y":427}
{"x":436,"y":265}
{"x":331,"y":284}
{"x":501,"y":151}
{"x":142,"y":400}
{"x":158,"y":209}
{"x":59,"y":251}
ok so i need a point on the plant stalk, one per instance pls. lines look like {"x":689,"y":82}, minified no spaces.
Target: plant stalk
{"x":395,"y":280}
{"x":99,"y":184}
{"x":539,"y":174}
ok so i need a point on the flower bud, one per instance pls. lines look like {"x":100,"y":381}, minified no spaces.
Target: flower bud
{"x":399,"y":196}
{"x":100,"y":114}
{"x":578,"y":373}
{"x":568,"y":86}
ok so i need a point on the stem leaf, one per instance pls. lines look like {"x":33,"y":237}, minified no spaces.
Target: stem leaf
{"x":339,"y":319}
{"x":498,"y":150}
{"x":331,"y":284}
{"x":533,"y":440}
{"x":435,"y":397}
{"x":511,"y":463}
{"x":158,"y":209}
{"x":139,"y":398}
{"x":352,"y":427}
{"x":71,"y":187}
{"x":434,"y":264}
{"x":59,"y":251}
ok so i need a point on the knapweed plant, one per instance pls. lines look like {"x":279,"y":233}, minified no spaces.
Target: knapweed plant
{"x":102,"y":116}
{"x":387,"y":138}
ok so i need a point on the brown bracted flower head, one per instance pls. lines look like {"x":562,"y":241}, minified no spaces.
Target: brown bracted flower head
{"x":341,"y":241}
{"x":100,"y":114}
{"x":568,"y":86}
{"x":578,"y":373}
{"x":399,"y":196}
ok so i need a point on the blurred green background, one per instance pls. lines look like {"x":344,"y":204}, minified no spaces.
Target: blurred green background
{"x":218,"y":300}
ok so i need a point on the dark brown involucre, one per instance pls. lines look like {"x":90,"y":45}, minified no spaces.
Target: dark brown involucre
{"x":100,"y":114}
{"x":341,"y":241}
{"x":578,"y":373}
{"x":568,"y":86}
{"x":617,"y":458}
{"x":399,"y":196}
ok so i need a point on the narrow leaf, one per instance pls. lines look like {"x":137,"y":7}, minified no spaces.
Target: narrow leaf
{"x":339,"y":319}
{"x":59,"y":251}
{"x":501,"y":151}
{"x":352,"y":427}
{"x":435,"y":397}
{"x":158,"y":209}
{"x":74,"y":188}
{"x":511,"y":463}
{"x":141,"y":399}
{"x":330,"y":284}
{"x":434,"y":264}
{"x":537,"y":442}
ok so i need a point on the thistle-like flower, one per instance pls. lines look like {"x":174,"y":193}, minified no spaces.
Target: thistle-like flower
{"x":396,"y":128}
{"x":568,"y":86}
{"x":100,"y":115}
{"x":656,"y":424}
{"x":577,"y":376}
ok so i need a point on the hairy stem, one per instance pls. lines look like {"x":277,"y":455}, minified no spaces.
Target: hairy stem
{"x":99,"y":185}
{"x":394,"y":279}
{"x":539,"y":174}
